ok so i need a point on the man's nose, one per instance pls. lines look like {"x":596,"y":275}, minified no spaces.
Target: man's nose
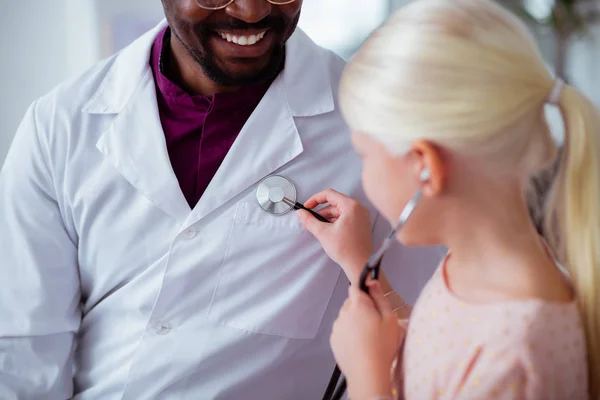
{"x":250,"y":11}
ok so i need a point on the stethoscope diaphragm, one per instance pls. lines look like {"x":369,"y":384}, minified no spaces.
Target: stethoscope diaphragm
{"x":276,"y":195}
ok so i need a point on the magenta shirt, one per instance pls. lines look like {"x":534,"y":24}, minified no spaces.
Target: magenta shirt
{"x":199,"y":130}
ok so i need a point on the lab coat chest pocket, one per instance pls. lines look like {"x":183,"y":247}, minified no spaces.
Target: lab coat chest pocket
{"x":275,"y":278}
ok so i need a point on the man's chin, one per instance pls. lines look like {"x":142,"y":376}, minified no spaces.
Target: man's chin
{"x":248,"y":76}
{"x":241,"y":72}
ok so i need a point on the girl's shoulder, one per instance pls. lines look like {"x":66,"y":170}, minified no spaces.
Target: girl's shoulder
{"x":515,"y":319}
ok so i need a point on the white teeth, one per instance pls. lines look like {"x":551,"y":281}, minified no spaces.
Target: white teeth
{"x":243,"y":40}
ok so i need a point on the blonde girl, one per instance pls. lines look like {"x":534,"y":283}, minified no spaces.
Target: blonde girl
{"x":447,"y":98}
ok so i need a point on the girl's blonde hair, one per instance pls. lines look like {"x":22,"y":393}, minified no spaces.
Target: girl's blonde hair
{"x":467,"y":75}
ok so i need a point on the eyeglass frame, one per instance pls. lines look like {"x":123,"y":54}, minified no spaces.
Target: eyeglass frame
{"x":274,"y":2}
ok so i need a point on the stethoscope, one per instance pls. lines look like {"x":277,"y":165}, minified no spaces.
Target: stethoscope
{"x":277,"y":195}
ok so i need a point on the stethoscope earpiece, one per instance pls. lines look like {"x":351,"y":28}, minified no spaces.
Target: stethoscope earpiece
{"x":425,"y":175}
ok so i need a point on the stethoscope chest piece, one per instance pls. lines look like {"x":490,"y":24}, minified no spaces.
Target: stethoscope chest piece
{"x":276,"y":194}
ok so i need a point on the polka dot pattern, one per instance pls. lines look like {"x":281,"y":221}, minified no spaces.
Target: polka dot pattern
{"x":515,"y":350}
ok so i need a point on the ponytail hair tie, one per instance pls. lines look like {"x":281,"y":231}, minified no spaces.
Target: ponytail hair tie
{"x":554,"y":98}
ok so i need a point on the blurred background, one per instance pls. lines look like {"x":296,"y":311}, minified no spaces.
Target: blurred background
{"x":45,"y":42}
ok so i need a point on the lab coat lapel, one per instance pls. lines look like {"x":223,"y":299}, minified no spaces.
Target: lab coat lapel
{"x":135,"y":143}
{"x":270,"y":139}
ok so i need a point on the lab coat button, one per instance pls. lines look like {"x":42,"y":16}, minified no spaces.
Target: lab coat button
{"x":162,"y":328}
{"x":189,"y":233}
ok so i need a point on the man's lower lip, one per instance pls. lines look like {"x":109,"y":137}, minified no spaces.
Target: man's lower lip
{"x":258,"y":49}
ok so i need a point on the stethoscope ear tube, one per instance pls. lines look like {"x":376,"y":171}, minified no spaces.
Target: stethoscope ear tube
{"x":372,"y":269}
{"x":373,"y":272}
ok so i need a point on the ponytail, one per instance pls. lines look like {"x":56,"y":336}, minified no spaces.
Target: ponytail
{"x":573,"y":216}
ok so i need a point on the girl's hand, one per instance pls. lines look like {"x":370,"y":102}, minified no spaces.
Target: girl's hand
{"x":366,"y":339}
{"x":347,"y":238}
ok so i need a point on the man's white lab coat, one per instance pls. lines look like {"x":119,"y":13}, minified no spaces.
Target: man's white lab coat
{"x":111,"y":287}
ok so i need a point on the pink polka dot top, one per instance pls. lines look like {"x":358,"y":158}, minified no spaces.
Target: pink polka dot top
{"x":531,"y":349}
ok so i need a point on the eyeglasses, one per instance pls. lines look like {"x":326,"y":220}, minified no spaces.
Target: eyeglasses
{"x":219,"y":4}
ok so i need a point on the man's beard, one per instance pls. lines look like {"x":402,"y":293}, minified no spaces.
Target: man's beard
{"x":223,"y":78}
{"x":208,"y":62}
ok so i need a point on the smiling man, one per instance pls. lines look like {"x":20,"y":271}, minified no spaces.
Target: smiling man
{"x":135,"y":260}
{"x":233,"y":44}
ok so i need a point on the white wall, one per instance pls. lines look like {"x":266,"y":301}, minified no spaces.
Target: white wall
{"x":584,"y":64}
{"x":342,"y":25}
{"x":32,"y":38}
{"x":44,"y":42}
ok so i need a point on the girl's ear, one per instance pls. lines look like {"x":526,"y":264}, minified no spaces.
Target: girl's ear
{"x":430,"y":159}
